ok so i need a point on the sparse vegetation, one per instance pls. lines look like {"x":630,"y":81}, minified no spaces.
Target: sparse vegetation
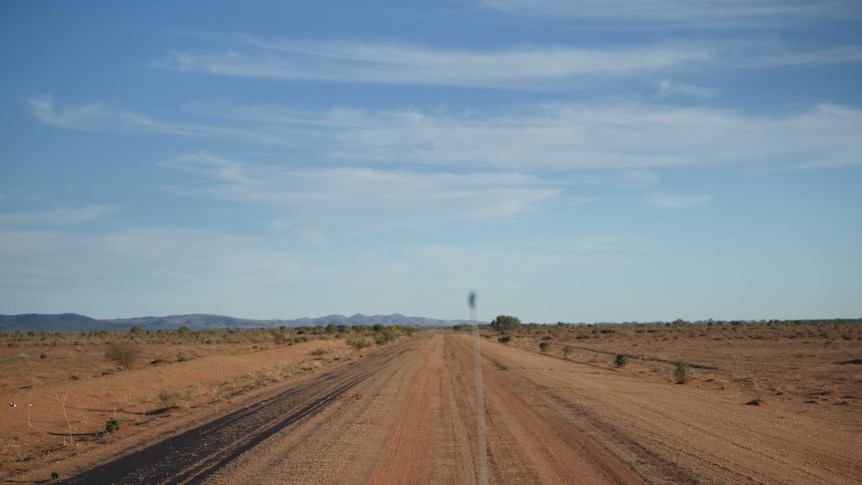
{"x":751,"y":359}
{"x":123,"y":353}
{"x":172,"y":398}
{"x":681,"y":371}
{"x":544,"y":346}
{"x":112,"y":425}
{"x":621,"y":360}
{"x":358,"y":342}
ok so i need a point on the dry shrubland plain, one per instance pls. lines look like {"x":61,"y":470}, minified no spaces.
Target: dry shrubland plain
{"x":717,"y":402}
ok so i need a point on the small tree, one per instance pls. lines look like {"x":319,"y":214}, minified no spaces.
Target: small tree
{"x":506,"y":323}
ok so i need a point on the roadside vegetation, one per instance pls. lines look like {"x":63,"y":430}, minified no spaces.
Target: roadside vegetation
{"x":710,"y":354}
{"x":120,"y":345}
{"x":80,"y":388}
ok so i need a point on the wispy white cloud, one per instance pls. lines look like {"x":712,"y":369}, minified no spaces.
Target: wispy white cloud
{"x":96,"y":117}
{"x":786,"y":57}
{"x":686,"y":13}
{"x":331,"y":196}
{"x":556,"y":136}
{"x":552,"y":67}
{"x":62,"y":216}
{"x":668,"y":88}
{"x":391,"y":63}
{"x":632,"y":136}
{"x":664,"y":199}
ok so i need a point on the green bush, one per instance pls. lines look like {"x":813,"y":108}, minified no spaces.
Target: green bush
{"x":505,"y":323}
{"x":545,"y":346}
{"x":621,"y":360}
{"x":505,"y":339}
{"x":112,"y":425}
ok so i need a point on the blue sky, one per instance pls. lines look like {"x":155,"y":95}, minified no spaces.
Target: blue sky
{"x":576,"y":161}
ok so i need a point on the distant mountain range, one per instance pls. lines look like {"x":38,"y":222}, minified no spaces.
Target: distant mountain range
{"x":72,"y":322}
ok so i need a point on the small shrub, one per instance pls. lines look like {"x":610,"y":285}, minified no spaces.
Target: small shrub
{"x":567,"y":350}
{"x":544,"y":346}
{"x":384,"y":336}
{"x":319,"y":352}
{"x":112,"y":425}
{"x":621,"y":360}
{"x":55,"y":475}
{"x":182,"y":357}
{"x":171,"y":398}
{"x":123,"y":353}
{"x":505,"y":339}
{"x":358,"y":342}
{"x":681,"y":371}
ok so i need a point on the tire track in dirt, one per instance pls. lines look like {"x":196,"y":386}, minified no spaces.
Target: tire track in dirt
{"x":191,"y":456}
{"x":435,"y":438}
{"x":677,"y":434}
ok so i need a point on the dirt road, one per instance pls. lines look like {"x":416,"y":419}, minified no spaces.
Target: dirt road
{"x":407,"y":414}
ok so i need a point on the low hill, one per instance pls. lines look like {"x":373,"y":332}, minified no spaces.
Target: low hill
{"x":72,"y":322}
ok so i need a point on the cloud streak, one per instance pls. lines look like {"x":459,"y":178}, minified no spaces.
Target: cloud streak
{"x":341,"y":196}
{"x":97,"y":117}
{"x":63,"y":216}
{"x":616,"y":136}
{"x":393,"y":63}
{"x":673,"y":201}
{"x":668,"y":88}
{"x":553,"y":67}
{"x":685,"y":13}
{"x":557,"y":136}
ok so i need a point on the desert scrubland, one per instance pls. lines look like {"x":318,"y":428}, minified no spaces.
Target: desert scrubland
{"x":721,"y":403}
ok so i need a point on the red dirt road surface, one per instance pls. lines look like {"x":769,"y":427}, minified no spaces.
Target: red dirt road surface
{"x":406,"y":414}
